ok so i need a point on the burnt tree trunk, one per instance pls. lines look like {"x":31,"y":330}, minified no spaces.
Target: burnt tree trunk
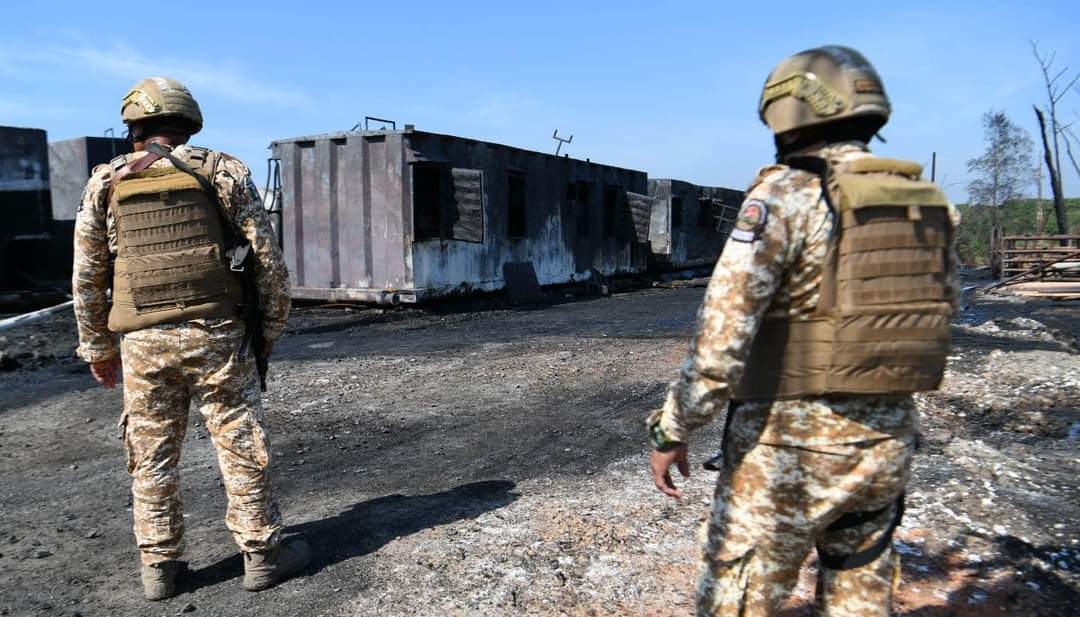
{"x":1055,"y":176}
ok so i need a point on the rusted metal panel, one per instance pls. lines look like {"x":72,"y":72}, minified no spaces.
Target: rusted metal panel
{"x":342,"y":214}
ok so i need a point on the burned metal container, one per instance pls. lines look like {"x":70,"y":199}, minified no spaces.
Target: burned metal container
{"x":24,"y":180}
{"x":24,"y":202}
{"x":690,"y":223}
{"x":70,"y":164}
{"x":405,"y":215}
{"x":41,"y":187}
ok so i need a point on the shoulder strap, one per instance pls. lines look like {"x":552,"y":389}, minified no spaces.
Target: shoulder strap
{"x":204,"y":182}
{"x":124,"y":169}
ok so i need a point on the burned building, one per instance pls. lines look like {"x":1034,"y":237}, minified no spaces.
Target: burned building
{"x":41,"y":186}
{"x":24,"y":202}
{"x":689,"y":223}
{"x":70,"y":164}
{"x":405,"y":215}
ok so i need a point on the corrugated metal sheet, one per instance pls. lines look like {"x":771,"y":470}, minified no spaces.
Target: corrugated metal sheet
{"x":468,"y":202}
{"x":343,"y":214}
{"x":641,"y":207}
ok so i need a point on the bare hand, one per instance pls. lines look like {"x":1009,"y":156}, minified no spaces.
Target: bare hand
{"x":106,"y":372}
{"x":661,"y":463}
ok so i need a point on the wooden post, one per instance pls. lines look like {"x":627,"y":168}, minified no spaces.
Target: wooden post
{"x":1040,"y":216}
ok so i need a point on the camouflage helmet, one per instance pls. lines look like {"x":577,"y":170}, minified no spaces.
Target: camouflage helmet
{"x":819,"y":86}
{"x":159,"y":97}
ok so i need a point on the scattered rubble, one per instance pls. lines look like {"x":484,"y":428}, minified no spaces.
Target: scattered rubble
{"x":492,"y":463}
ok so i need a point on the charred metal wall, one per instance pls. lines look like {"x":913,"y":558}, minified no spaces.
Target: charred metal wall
{"x":70,"y":163}
{"x":690,"y":223}
{"x":572,"y":216}
{"x":24,"y":201}
{"x":24,"y":180}
{"x":367,"y":213}
{"x":343,"y":214}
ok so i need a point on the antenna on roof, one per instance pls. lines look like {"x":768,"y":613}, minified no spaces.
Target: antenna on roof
{"x":111,"y":134}
{"x":368,"y":119}
{"x":561,"y":141}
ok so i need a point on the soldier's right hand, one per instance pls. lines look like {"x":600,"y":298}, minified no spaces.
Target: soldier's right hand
{"x":106,"y":372}
{"x":661,"y":462}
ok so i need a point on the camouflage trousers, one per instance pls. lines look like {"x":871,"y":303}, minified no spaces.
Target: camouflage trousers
{"x":775,"y":504}
{"x":165,"y":369}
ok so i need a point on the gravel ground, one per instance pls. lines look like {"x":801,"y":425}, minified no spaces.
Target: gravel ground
{"x":465,"y":461}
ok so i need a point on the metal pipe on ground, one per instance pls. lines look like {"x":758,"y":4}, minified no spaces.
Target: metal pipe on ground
{"x":25,"y":318}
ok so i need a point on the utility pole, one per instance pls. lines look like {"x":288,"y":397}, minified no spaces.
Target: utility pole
{"x":933,"y":166}
{"x":1040,"y":217}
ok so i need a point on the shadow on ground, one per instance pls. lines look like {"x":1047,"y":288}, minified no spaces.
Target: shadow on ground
{"x":368,"y":525}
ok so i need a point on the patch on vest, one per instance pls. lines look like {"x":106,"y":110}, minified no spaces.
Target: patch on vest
{"x":751,"y":221}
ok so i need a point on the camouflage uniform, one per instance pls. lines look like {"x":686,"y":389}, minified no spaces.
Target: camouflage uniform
{"x":168,"y":366}
{"x":791,"y":467}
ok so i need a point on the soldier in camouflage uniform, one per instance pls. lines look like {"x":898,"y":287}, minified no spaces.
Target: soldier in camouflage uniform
{"x":817,"y":331}
{"x":151,"y":233}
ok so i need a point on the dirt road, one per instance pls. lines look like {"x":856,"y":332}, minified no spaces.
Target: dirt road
{"x":492,"y":462}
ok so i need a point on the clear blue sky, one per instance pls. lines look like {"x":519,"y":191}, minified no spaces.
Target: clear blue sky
{"x":667,"y":88}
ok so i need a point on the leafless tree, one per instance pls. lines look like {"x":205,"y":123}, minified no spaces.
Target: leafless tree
{"x":1058,"y":84}
{"x":1070,"y":137}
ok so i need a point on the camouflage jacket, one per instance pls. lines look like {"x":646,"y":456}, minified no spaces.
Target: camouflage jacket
{"x":774,"y":271}
{"x":95,"y":249}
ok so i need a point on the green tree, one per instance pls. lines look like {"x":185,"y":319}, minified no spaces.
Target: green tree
{"x":1004,"y":169}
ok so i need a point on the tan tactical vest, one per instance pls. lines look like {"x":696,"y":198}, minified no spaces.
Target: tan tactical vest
{"x":882,"y":323}
{"x":170,"y":263}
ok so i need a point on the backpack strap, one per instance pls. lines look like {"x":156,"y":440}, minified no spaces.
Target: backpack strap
{"x":124,"y":169}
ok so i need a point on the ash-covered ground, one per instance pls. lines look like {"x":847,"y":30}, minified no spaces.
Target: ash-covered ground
{"x":493,"y":462}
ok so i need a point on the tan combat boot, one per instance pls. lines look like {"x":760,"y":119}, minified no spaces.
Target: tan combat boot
{"x":264,"y":570}
{"x":159,"y":580}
